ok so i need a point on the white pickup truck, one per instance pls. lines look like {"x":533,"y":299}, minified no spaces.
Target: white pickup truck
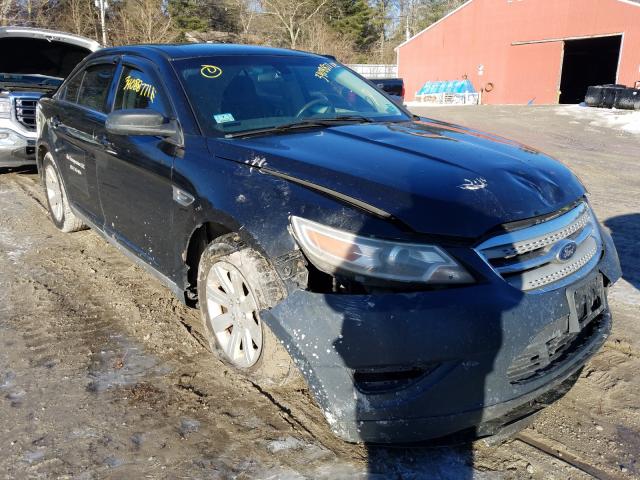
{"x":34,"y":63}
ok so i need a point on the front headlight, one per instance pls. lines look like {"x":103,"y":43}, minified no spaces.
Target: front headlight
{"x":336,"y":251}
{"x":5,"y":108}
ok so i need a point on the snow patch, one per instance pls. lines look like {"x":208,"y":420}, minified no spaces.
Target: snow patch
{"x":624,"y":292}
{"x":627,"y":121}
{"x":12,"y":248}
{"x":287,"y":443}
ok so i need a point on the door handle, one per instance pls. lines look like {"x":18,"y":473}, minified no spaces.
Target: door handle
{"x":108,"y":145}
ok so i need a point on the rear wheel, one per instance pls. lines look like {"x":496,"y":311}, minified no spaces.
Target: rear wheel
{"x":58,"y":204}
{"x":235,"y":284}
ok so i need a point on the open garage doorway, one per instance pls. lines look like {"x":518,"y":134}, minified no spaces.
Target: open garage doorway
{"x":591,"y":61}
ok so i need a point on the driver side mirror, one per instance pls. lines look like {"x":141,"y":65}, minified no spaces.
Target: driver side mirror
{"x":140,"y":122}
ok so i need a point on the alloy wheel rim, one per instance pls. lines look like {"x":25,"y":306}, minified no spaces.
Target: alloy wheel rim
{"x":233,"y":314}
{"x":54,"y":192}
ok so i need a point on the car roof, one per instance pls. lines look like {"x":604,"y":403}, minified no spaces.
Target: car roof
{"x":190,"y":50}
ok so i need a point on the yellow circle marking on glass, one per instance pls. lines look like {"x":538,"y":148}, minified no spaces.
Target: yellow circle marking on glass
{"x":210,"y":71}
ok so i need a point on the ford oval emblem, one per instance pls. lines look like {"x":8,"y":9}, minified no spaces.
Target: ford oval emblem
{"x":567,"y":251}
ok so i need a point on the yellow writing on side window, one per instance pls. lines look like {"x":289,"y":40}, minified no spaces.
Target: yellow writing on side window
{"x":324,"y":69}
{"x":141,"y":88}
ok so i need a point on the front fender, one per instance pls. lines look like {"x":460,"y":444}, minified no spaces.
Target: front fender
{"x":242,"y":198}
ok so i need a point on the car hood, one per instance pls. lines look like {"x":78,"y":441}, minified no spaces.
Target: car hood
{"x":37,"y":51}
{"x":435,"y":177}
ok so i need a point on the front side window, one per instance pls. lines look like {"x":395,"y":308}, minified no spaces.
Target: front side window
{"x":95,"y":86}
{"x":138,"y":90}
{"x":73,"y":87}
{"x":239,"y":93}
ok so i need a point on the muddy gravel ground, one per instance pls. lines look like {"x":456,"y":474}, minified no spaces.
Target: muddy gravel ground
{"x":102,"y":374}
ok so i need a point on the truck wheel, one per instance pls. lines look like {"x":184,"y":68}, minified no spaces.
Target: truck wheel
{"x":235,"y":283}
{"x":57,"y":202}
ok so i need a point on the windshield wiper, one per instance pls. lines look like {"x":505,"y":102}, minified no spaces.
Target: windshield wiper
{"x":311,"y":123}
{"x":352,"y":118}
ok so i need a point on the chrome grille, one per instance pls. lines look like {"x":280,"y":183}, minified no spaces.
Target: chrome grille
{"x":533,"y":257}
{"x":26,"y":112}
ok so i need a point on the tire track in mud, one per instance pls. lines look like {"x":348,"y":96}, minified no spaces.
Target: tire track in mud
{"x":83,"y":329}
{"x":311,"y":418}
{"x":59,"y":335}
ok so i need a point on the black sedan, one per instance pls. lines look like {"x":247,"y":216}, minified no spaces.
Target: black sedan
{"x":425,"y":279}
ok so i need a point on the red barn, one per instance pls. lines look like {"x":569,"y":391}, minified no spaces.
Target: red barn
{"x":522,"y":51}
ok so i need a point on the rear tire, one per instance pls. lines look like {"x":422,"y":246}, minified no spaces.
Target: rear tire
{"x":235,"y":283}
{"x":57,"y":201}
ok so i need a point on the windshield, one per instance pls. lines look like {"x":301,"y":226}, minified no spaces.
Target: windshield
{"x":43,"y":81}
{"x":238,"y":93}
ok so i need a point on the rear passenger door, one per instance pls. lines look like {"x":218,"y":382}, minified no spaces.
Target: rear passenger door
{"x":134,"y":171}
{"x":78,"y":126}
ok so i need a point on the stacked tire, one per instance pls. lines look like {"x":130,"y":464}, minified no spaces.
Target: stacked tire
{"x":628,"y":99}
{"x":609,"y":96}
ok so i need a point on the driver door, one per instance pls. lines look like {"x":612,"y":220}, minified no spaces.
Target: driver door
{"x":134,"y":171}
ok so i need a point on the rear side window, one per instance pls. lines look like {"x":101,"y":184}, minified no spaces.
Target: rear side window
{"x":95,"y":86}
{"x":137,"y":89}
{"x":73,"y":87}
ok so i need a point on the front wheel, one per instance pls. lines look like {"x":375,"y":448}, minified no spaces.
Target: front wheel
{"x":235,"y":283}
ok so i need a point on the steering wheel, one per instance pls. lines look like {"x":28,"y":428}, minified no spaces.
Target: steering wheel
{"x":317,"y":101}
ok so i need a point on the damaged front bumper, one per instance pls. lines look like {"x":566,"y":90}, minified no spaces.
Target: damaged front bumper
{"x":409,"y":367}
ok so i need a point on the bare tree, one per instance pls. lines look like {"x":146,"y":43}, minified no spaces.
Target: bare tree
{"x":321,"y":38}
{"x":42,"y":13}
{"x":78,"y":17}
{"x":142,"y":21}
{"x":247,"y":11}
{"x":102,"y":6}
{"x":7,"y":7}
{"x":418,"y":14}
{"x":293,"y":15}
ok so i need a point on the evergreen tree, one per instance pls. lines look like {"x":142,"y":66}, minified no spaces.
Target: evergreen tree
{"x":354,"y":18}
{"x":202,"y":15}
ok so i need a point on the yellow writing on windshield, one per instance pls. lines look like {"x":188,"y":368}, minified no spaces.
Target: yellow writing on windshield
{"x":324,"y":69}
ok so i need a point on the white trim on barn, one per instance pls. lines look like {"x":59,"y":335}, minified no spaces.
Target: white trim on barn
{"x":635,"y":3}
{"x":434,"y":24}
{"x":564,"y":39}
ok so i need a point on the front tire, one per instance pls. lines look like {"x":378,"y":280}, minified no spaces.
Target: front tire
{"x":234,"y":284}
{"x":57,"y":201}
